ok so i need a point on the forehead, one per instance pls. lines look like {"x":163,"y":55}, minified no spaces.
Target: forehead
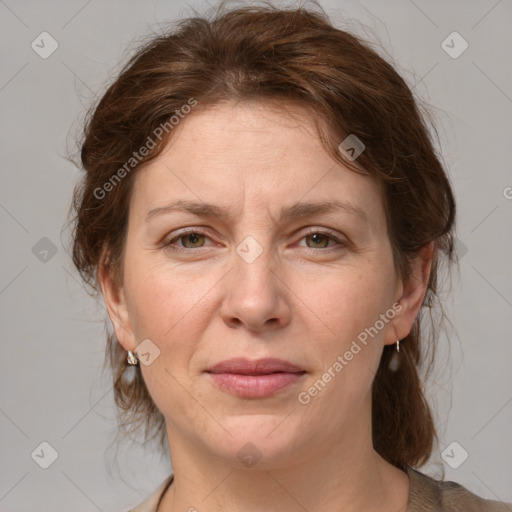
{"x":257,"y":129}
{"x":251,"y":152}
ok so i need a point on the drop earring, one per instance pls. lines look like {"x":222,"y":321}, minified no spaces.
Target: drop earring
{"x":131,"y":359}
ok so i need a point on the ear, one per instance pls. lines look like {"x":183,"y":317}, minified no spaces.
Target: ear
{"x":115,"y":300}
{"x":413,"y":292}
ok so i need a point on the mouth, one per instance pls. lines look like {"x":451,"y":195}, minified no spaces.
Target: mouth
{"x":254,"y":378}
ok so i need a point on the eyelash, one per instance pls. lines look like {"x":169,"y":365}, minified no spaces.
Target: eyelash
{"x":170,"y":245}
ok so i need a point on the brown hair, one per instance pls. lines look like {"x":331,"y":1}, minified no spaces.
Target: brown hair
{"x":262,"y":52}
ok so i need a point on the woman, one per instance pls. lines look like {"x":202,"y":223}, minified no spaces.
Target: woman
{"x":265,"y":216}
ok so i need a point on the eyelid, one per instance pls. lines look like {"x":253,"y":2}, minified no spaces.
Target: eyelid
{"x":204,"y":232}
{"x":327,"y":232}
{"x":184,"y":232}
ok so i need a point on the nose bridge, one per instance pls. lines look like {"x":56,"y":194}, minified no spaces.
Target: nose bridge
{"x":255,"y":295}
{"x":254,"y":250}
{"x":253,"y":265}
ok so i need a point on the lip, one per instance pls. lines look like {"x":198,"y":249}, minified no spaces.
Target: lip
{"x":254,"y":378}
{"x":264,"y":366}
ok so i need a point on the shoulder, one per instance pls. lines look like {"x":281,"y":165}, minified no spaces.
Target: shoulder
{"x":150,"y":504}
{"x":427,"y":494}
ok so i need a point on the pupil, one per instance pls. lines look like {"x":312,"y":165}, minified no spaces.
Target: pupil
{"x":317,"y":238}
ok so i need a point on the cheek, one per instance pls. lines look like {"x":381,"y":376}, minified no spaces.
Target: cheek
{"x":174,"y":308}
{"x":164,"y":299}
{"x":348,"y":351}
{"x":346,"y":332}
{"x":342,"y":303}
{"x":168,"y":306}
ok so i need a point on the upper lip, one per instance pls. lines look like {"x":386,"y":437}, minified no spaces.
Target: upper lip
{"x":244,"y":366}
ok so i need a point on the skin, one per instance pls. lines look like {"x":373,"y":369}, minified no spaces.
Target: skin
{"x":304,"y":299}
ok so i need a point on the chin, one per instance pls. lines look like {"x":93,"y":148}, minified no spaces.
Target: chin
{"x":260,"y":441}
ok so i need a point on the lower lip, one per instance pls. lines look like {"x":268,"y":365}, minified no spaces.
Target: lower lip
{"x":254,"y":386}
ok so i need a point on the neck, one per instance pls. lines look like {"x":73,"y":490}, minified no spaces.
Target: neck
{"x":335,"y":474}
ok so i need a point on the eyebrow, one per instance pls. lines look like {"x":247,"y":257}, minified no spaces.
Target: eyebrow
{"x":295,"y":211}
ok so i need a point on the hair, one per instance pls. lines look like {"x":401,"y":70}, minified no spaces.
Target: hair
{"x":262,"y":53}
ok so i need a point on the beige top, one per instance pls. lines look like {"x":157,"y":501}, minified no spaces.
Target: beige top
{"x":425,"y":495}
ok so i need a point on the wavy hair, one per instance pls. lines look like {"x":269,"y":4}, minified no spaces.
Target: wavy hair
{"x":286,"y":55}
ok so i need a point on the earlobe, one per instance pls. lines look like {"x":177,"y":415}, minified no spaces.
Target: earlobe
{"x":413,"y":294}
{"x":115,"y":301}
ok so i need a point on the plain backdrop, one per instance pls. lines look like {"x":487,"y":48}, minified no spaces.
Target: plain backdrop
{"x":52,"y":350}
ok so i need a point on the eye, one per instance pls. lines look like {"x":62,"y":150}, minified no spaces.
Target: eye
{"x":321,"y":240}
{"x":190,"y":240}
{"x":195,"y":239}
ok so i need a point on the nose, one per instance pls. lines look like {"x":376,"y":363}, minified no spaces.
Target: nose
{"x":256,"y":296}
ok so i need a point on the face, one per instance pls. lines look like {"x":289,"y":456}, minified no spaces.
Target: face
{"x":246,"y":240}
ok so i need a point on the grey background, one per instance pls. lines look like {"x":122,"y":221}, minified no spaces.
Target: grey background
{"x":51,"y":387}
